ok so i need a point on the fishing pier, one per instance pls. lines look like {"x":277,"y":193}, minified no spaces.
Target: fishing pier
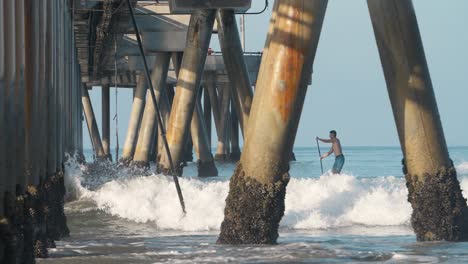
{"x":53,"y":52}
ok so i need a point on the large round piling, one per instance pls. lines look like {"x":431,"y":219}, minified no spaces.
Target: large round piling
{"x":255,"y":203}
{"x":10,"y":83}
{"x":222,"y":148}
{"x":30,"y":186}
{"x":51,"y":94}
{"x":205,"y":162}
{"x":193,"y":62}
{"x":234,"y":155}
{"x":149,"y":121}
{"x":439,"y":208}
{"x":207,"y":114}
{"x":135,"y":120}
{"x":233,"y":55}
{"x":92,"y":125}
{"x":19,"y":92}
{"x":105,"y":104}
{"x":165,"y":114}
{"x":210,"y":90}
{"x":19,"y":111}
{"x":2,"y":110}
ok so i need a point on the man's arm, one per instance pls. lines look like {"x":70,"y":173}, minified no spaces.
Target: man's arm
{"x":324,"y":140}
{"x":327,"y":154}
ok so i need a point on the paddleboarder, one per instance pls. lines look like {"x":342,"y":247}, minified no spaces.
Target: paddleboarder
{"x":336,"y":149}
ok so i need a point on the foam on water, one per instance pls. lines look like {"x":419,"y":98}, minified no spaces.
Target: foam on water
{"x":462,"y":169}
{"x":329,"y":201}
{"x":344,"y":200}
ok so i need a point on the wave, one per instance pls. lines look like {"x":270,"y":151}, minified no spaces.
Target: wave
{"x":462,"y":169}
{"x":344,"y":200}
{"x":328,"y":201}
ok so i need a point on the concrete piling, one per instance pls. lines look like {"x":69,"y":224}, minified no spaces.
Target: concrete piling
{"x":176,"y":58}
{"x":198,"y":39}
{"x":41,"y":84}
{"x":14,"y":220}
{"x":198,"y":139}
{"x":165,"y":106}
{"x":233,"y":55}
{"x":148,"y":123}
{"x":235,"y":153}
{"x":3,"y":103}
{"x":7,"y":85}
{"x":222,"y":149}
{"x":205,"y":162}
{"x":20,"y":93}
{"x":92,"y":125}
{"x":439,"y":208}
{"x":34,"y":36}
{"x":255,"y":203}
{"x":211,"y":91}
{"x":207,"y":114}
{"x":135,"y":120}
{"x":105,"y":104}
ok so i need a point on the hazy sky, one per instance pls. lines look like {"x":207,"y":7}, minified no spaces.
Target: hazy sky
{"x":348,"y":93}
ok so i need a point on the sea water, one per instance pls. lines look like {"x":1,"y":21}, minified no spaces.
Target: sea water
{"x":119,"y":215}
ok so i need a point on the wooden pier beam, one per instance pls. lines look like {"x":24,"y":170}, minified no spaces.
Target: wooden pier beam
{"x":439,"y":208}
{"x":149,"y":121}
{"x":255,"y":203}
{"x":233,"y":55}
{"x":135,"y":120}
{"x":193,"y":62}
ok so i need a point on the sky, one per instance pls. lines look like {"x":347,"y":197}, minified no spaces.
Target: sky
{"x":348,"y":91}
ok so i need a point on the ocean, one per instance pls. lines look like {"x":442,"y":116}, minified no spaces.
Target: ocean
{"x":118,"y":215}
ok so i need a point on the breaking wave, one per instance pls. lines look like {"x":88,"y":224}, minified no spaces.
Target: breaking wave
{"x":328,"y":201}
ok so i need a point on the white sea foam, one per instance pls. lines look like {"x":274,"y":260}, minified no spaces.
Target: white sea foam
{"x":326,"y":202}
{"x":462,"y":169}
{"x":73,"y":179}
{"x":153,"y":198}
{"x":344,"y":200}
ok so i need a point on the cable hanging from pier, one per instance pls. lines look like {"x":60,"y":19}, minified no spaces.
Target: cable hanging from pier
{"x":156,"y":107}
{"x":116,"y":117}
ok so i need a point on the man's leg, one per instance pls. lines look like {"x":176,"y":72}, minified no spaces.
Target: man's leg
{"x":341,"y":163}
{"x":338,"y":165}
{"x":335,"y":166}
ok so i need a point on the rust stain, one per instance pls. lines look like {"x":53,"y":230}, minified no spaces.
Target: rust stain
{"x":290,"y":62}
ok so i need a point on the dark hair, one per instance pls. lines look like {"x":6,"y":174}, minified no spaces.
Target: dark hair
{"x":333,"y":132}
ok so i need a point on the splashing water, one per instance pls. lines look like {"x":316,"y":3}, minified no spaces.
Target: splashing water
{"x":329,"y":201}
{"x":122,"y":215}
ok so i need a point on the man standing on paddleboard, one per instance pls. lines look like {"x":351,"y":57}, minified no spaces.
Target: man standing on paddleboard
{"x":336,"y":148}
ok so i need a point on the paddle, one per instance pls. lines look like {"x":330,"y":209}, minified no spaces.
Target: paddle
{"x":320,"y":155}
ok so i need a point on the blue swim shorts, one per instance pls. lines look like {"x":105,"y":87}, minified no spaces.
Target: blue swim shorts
{"x":338,"y":165}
